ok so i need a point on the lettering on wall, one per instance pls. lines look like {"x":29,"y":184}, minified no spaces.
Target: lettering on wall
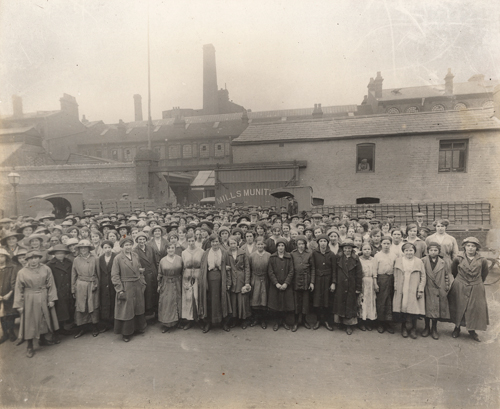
{"x":243,"y":193}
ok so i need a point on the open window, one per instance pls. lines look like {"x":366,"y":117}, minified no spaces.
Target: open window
{"x":365,"y":157}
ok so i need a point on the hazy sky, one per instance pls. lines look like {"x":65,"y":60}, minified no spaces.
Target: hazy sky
{"x":271,"y":54}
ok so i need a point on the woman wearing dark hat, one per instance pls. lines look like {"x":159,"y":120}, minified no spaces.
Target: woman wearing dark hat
{"x":10,"y":242}
{"x":215,"y":282}
{"x":60,"y":267}
{"x":27,"y":229}
{"x":35,"y":242}
{"x":409,"y":284}
{"x":127,"y":277}
{"x":107,"y":293}
{"x":8,"y":314}
{"x":437,"y":286}
{"x":467,"y":297}
{"x":85,"y":275}
{"x":449,"y":246}
{"x":281,"y":273}
{"x":34,"y":297}
{"x":348,"y":287}
{"x":147,"y":261}
{"x":158,"y":243}
{"x":323,"y":278}
{"x":123,"y":230}
{"x":239,"y":268}
{"x":302,"y":285}
{"x":20,"y":259}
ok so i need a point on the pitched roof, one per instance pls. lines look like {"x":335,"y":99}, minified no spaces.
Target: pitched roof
{"x":429,"y":91}
{"x":8,"y":150}
{"x":373,"y":125}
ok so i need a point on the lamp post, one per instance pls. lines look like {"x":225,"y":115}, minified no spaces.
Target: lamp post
{"x":14,"y":179}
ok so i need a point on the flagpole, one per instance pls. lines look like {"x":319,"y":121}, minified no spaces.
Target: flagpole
{"x":150,"y":122}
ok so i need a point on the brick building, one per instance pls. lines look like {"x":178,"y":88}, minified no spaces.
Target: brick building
{"x":449,"y":156}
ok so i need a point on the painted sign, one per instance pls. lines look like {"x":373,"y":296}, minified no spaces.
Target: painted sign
{"x":242,"y":193}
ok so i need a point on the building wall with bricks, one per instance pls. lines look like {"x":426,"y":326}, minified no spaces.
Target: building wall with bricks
{"x":405,"y":168}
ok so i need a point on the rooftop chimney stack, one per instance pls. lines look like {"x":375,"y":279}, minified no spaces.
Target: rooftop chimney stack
{"x":69,"y":105}
{"x":244,"y":117}
{"x":317,"y":111}
{"x":210,"y":98}
{"x":378,"y":85}
{"x":17,"y":105}
{"x":137,"y":108}
{"x":448,"y":83}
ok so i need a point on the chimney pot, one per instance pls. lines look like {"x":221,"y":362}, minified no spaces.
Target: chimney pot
{"x":137,"y":107}
{"x":378,"y":85}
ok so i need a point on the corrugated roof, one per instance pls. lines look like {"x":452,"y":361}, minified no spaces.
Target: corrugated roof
{"x":373,"y":125}
{"x":204,"y":178}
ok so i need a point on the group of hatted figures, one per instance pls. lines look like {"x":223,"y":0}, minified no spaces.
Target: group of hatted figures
{"x":227,"y":285}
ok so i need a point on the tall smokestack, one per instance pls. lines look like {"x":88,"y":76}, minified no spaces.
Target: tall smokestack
{"x":210,"y":100}
{"x":17,"y":105}
{"x":137,"y":107}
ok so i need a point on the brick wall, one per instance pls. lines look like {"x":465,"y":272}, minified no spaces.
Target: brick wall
{"x":406,"y":169}
{"x":107,"y":181}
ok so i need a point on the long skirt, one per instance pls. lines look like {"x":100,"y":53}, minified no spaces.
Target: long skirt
{"x":214,"y":305}
{"x":170,"y":303}
{"x":260,"y":289}
{"x":301,"y":301}
{"x":321,"y":291}
{"x":151,"y":293}
{"x":343,"y":320}
{"x":128,"y":327}
{"x":190,"y":296}
{"x":368,"y":309}
{"x":240,"y":304}
{"x":384,"y":297}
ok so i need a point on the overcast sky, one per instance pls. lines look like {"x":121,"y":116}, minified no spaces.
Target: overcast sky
{"x":270,"y":54}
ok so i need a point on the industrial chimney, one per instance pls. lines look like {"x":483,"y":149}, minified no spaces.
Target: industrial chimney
{"x":210,"y":100}
{"x":17,"y":105}
{"x":137,"y":107}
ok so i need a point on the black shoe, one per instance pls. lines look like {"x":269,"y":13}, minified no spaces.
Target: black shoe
{"x":286,"y":326}
{"x":244,"y":325}
{"x":456,"y":332}
{"x":348,"y":330}
{"x":95,"y":332}
{"x":404,"y":331}
{"x":361,"y":326}
{"x":295,"y":327}
{"x":226,"y":327}
{"x":188,"y":325}
{"x":306,"y":324}
{"x":426,"y":332}
{"x":126,"y":338}
{"x":380,"y":329}
{"x":413,"y":333}
{"x":368,"y":327}
{"x":434,"y":333}
{"x":316,"y":326}
{"x":276,"y":327}
{"x":389,"y":329}
{"x":30,"y":352}
{"x":263,"y":324}
{"x":206,"y":328}
{"x":328,"y":326}
{"x":56,"y":339}
{"x":474,"y":336}
{"x":253,"y":323}
{"x":45,"y":342}
{"x":164,"y":329}
{"x":80,"y":333}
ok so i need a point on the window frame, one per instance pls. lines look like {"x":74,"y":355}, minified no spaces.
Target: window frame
{"x":216,"y":150}
{"x":465,"y":159}
{"x":187,"y":151}
{"x":174,"y":148}
{"x":372,"y":165}
{"x":204,"y":153}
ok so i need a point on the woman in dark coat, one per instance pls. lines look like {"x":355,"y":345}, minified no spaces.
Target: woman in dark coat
{"x":8,"y":272}
{"x":107,"y":293}
{"x":323,"y":278}
{"x":348,"y":286}
{"x":61,"y":271}
{"x":147,"y":260}
{"x":467,"y":297}
{"x":129,"y":285}
{"x":302,"y":283}
{"x":215,"y":282}
{"x":280,"y":271}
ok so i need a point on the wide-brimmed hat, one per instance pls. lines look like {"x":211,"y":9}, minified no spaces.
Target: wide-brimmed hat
{"x":85,"y":243}
{"x":71,"y":241}
{"x":22,"y":251}
{"x":171,"y":226}
{"x":152,"y":230}
{"x":347,"y":242}
{"x":33,"y":253}
{"x":24,"y":225}
{"x":5,"y":220}
{"x":47,"y":216}
{"x":133,"y":218}
{"x":59,"y":247}
{"x":42,"y":237}
{"x":9,"y":234}
{"x":125,"y":240}
{"x":41,"y":230}
{"x":207,"y":222}
{"x":472,"y":240}
{"x":124,"y":226}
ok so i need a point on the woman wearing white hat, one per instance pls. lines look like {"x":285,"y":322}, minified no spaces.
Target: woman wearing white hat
{"x":85,"y":276}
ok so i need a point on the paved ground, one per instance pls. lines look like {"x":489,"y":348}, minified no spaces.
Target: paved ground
{"x":256,"y":368}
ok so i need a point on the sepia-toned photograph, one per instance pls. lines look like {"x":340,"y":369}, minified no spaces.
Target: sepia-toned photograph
{"x":250,"y":204}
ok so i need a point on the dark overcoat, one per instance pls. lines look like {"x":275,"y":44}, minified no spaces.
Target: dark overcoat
{"x":239,"y":270}
{"x":147,"y":260}
{"x":467,"y":297}
{"x":107,"y":291}
{"x":280,"y":270}
{"x":323,"y":275}
{"x":7,"y":284}
{"x":302,"y":265}
{"x":61,"y":271}
{"x":349,"y":282}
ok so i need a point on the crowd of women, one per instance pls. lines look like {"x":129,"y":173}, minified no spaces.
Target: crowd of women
{"x":234,"y":267}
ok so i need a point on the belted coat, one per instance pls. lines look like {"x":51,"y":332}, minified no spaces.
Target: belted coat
{"x":348,"y":283}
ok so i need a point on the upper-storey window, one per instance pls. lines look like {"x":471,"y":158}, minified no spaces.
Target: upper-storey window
{"x":453,"y":155}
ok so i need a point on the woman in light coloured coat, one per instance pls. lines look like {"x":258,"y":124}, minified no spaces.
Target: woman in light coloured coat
{"x":85,"y":276}
{"x":449,"y":246}
{"x":467,"y":297}
{"x":409,"y":284}
{"x":191,"y":258}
